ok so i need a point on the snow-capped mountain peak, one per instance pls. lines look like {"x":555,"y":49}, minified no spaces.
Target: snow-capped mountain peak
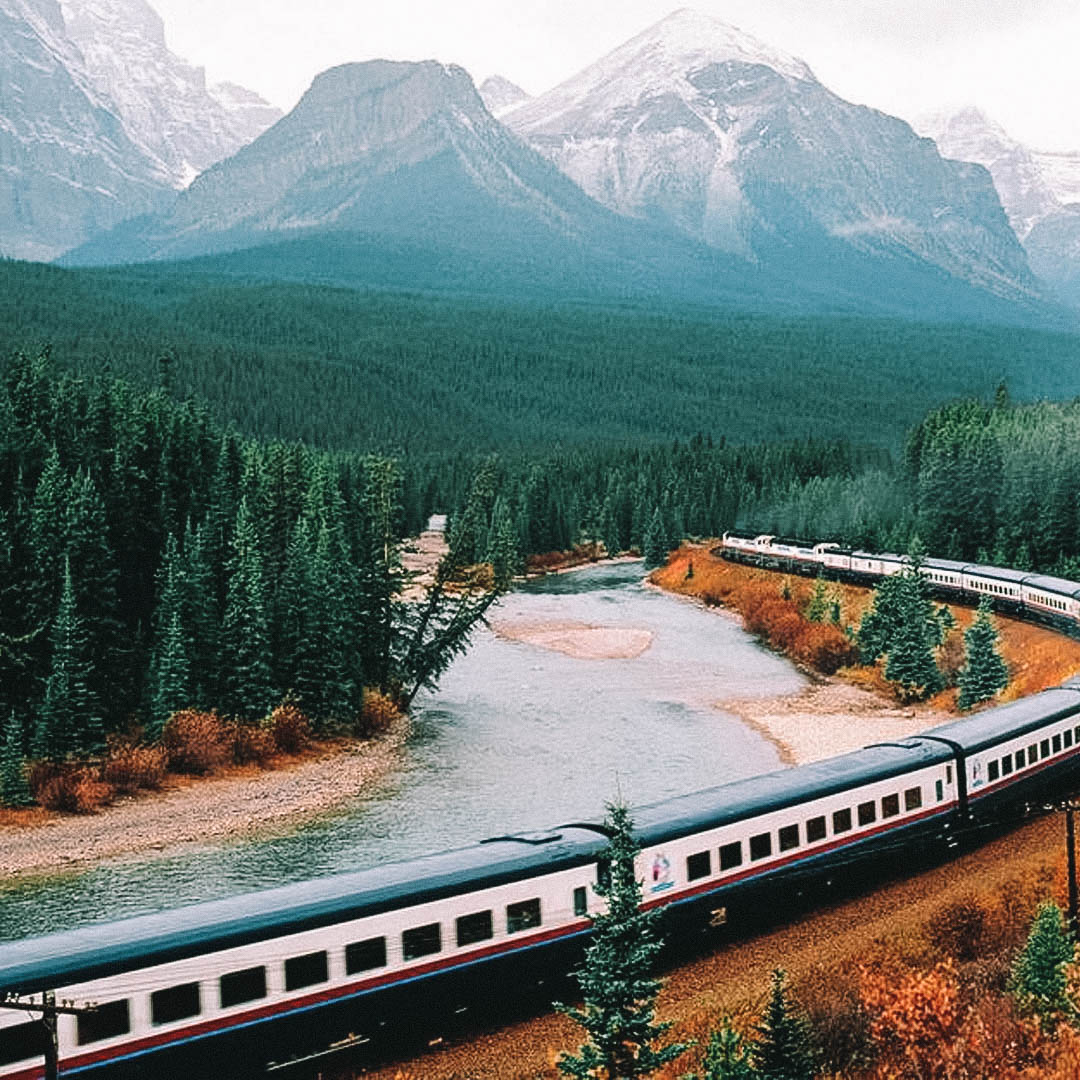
{"x":500,"y":95}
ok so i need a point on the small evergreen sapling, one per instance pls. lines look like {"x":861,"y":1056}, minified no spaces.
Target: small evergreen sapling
{"x":618,"y":990}
{"x":728,"y":1055}
{"x":984,"y":673}
{"x":783,"y":1050}
{"x":817,"y":609}
{"x":1039,"y":980}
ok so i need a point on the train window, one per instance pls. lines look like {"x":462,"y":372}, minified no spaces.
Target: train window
{"x":107,"y":1021}
{"x":1006,"y":765}
{"x":1068,"y":739}
{"x":1056,"y":741}
{"x":992,"y":771}
{"x":473,"y":928}
{"x":306,"y":970}
{"x":730,"y":855}
{"x":789,"y":837}
{"x":523,"y":915}
{"x":365,"y":955}
{"x":698,"y":866}
{"x":581,"y":901}
{"x":867,"y":813}
{"x":890,"y":805}
{"x":815,"y":830}
{"x":913,"y":798}
{"x":175,"y":1003}
{"x":948,"y":774}
{"x":939,"y":790}
{"x":22,"y":1041}
{"x":1033,"y":753}
{"x":239,"y":986}
{"x":760,"y":846}
{"x":1044,"y":748}
{"x":1076,"y":733}
{"x":421,"y":941}
{"x":841,"y":820}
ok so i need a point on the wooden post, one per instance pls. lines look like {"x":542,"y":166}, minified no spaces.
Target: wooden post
{"x":52,"y":1045}
{"x":1070,"y":849}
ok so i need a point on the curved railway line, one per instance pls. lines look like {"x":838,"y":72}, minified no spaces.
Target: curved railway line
{"x":245,"y":981}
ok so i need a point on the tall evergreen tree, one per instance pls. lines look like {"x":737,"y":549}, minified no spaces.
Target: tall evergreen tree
{"x":817,"y":609}
{"x":655,"y":547}
{"x":619,"y":990}
{"x":69,"y":720}
{"x":14,"y":786}
{"x":502,"y":549}
{"x":245,"y":633}
{"x":172,"y":677}
{"x":783,"y":1050}
{"x":984,"y":672}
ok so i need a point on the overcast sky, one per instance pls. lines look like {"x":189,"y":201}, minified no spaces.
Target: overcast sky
{"x":1016,"y":59}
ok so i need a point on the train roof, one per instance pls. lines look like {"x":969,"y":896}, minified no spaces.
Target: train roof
{"x":947,"y":564}
{"x":993,"y":726}
{"x":1049,"y":583}
{"x":108,"y":948}
{"x":686,"y":814}
{"x":997,"y":573}
{"x":793,"y":541}
{"x":880,"y":556}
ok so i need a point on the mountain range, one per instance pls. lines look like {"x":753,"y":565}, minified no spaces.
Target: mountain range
{"x":694,"y":162}
{"x":100,"y":122}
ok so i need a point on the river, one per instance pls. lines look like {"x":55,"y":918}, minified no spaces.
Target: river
{"x":516,"y":737}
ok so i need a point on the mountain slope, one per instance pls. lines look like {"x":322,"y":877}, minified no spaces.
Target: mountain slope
{"x":163,"y":102}
{"x":699,"y":127}
{"x":69,"y":168}
{"x":501,"y":95}
{"x":1040,"y":192}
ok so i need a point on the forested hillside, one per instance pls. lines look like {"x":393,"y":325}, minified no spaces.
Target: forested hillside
{"x":152,"y":560}
{"x":354,"y":370}
{"x":985,"y":482}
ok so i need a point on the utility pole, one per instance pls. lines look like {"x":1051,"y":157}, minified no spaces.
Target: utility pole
{"x":49,"y":1011}
{"x":1070,"y":849}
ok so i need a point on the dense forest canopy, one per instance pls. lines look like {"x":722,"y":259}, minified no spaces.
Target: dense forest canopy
{"x":394,"y":373}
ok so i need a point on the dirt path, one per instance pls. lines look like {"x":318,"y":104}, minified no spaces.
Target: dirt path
{"x":836,"y":937}
{"x":188,"y":814}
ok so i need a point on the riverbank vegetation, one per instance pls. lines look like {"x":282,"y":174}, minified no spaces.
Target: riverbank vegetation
{"x":775,"y":607}
{"x":155,"y":564}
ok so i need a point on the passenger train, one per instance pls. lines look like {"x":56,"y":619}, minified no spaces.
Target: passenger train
{"x":213,"y":988}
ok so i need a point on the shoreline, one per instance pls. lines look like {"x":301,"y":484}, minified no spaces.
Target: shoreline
{"x":240,"y":804}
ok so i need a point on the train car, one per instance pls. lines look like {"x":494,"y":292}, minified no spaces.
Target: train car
{"x":836,"y":560}
{"x":945,"y":575}
{"x":799,"y":555}
{"x":1002,"y":585}
{"x":300,"y":966}
{"x":1052,"y":600}
{"x":870,"y":565}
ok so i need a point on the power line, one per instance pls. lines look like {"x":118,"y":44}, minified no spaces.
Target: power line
{"x":49,"y":1010}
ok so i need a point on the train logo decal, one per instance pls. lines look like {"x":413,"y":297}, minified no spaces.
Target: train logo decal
{"x":660,"y":875}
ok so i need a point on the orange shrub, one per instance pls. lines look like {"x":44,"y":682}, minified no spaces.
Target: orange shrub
{"x":378,"y":712}
{"x":195,"y":741}
{"x":74,"y":789}
{"x":251,"y":743}
{"x":958,"y":929}
{"x":291,"y":728}
{"x":130,"y":766}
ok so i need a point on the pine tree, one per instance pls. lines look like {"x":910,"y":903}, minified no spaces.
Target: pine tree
{"x":655,"y":547}
{"x":984,"y":672}
{"x":502,"y":548}
{"x":172,"y":677}
{"x":619,"y":991}
{"x":245,"y":635}
{"x":69,"y":721}
{"x":1038,"y":980}
{"x":14,"y":787}
{"x":818,"y":607}
{"x":728,"y":1055}
{"x":783,"y":1049}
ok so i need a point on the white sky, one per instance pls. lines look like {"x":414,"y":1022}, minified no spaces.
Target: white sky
{"x":1019,"y":60}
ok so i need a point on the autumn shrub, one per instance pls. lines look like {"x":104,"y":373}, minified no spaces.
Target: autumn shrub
{"x":252,"y":744}
{"x":951,"y":656}
{"x":957,"y":930}
{"x":129,"y":765}
{"x":378,"y":712}
{"x":837,"y":1018}
{"x":73,"y":789}
{"x":196,"y":742}
{"x":291,"y":728}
